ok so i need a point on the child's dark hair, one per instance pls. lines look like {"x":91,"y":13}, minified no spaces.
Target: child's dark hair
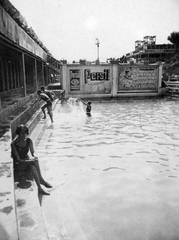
{"x":89,"y":103}
{"x":21,"y":128}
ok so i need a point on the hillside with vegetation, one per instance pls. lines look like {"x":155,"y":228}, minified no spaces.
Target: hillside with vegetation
{"x":171,"y":65}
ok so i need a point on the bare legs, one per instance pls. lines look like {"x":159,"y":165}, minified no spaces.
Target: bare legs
{"x":43,"y":110}
{"x":49,"y":109}
{"x":35,"y":169}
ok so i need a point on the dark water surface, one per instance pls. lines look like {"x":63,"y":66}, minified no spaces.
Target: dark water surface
{"x":118,"y":169}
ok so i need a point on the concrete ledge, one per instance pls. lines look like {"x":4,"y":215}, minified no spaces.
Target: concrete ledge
{"x":33,"y":122}
{"x":8,"y":224}
{"x":29,"y":225}
{"x":25,"y":114}
{"x":30,"y":220}
{"x":4,"y":113}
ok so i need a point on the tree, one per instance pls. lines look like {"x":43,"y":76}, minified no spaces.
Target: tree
{"x":123,"y":59}
{"x":174,"y":38}
{"x":172,"y":60}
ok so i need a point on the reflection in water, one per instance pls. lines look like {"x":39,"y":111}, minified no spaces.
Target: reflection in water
{"x":120,"y":167}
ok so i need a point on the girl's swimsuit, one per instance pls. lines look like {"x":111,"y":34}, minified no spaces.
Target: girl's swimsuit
{"x":22,"y":152}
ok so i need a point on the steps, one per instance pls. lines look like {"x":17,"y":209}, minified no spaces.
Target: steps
{"x":8,"y":218}
{"x":15,"y":202}
{"x":8,"y":224}
{"x":30,"y":218}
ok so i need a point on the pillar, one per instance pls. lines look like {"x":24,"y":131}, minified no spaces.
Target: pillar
{"x":35,"y":75}
{"x":43,"y":79}
{"x":160,"y":67}
{"x":24,"y":76}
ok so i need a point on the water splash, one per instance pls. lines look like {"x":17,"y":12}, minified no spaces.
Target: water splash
{"x":75,"y":105}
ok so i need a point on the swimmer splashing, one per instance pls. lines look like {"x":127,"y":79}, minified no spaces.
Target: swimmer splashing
{"x":88,"y":107}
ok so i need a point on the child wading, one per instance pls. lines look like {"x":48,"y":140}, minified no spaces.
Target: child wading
{"x":88,"y":107}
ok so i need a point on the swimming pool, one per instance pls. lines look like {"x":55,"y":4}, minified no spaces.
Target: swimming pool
{"x":118,"y":169}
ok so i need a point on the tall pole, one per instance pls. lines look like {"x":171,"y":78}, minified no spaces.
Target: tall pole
{"x":98,"y":51}
{"x":97,"y":44}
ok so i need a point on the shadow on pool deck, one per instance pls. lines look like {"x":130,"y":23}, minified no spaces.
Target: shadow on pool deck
{"x":23,"y":179}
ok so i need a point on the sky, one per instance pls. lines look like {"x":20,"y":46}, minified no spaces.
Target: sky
{"x":68,"y":28}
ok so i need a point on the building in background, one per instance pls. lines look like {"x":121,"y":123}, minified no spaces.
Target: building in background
{"x":147,"y":51}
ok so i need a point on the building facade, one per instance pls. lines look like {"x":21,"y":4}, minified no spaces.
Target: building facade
{"x":147,"y":51}
{"x":25,"y":64}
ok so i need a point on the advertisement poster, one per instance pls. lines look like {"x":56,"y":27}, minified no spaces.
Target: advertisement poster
{"x":97,"y":82}
{"x":137,"y":78}
{"x":96,"y":76}
{"x":75,"y":80}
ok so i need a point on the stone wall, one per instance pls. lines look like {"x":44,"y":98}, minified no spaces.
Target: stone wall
{"x":111,"y":80}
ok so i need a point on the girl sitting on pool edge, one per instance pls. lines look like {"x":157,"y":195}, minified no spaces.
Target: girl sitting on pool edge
{"x":20,"y":148}
{"x":88,"y":107}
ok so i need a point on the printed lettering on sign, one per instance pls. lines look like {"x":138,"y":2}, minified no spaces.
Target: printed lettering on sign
{"x":74,"y":80}
{"x":96,"y":76}
{"x":137,"y":78}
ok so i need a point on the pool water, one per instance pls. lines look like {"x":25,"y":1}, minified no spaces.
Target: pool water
{"x":118,"y":168}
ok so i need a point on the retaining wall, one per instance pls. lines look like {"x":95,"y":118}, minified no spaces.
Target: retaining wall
{"x":111,"y":80}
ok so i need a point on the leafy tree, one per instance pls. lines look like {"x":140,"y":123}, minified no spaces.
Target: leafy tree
{"x":123,"y":59}
{"x":172,"y":60}
{"x":174,"y":38}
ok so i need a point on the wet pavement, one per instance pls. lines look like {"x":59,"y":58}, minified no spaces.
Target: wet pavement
{"x":115,"y":175}
{"x":8,"y":224}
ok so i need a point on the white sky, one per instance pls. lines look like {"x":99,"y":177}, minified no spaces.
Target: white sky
{"x":68,"y":28}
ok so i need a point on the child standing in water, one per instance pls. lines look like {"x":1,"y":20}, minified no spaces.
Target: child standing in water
{"x":88,"y":107}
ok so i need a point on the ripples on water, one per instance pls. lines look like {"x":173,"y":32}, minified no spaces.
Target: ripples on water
{"x":130,"y":153}
{"x":147,"y":128}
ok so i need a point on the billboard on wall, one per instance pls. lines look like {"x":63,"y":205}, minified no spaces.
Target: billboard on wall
{"x":137,"y":78}
{"x":96,"y":76}
{"x":97,"y":80}
{"x":74,"y":80}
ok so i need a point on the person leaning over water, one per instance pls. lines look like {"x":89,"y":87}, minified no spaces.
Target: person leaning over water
{"x":20,"y":148}
{"x":49,"y":93}
{"x":88,"y":107}
{"x":48,"y":105}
